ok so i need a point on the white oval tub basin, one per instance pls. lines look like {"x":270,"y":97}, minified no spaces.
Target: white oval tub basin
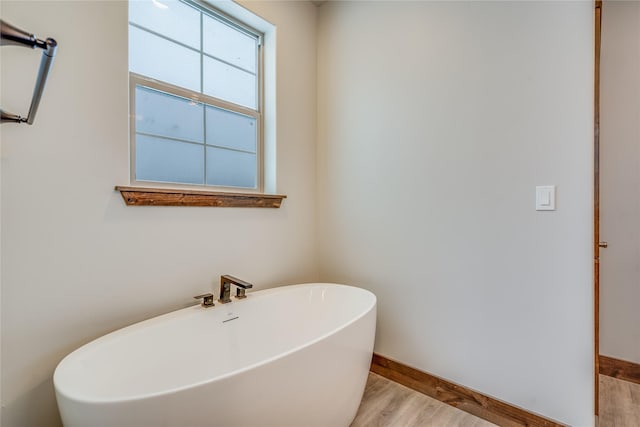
{"x":290,"y":356}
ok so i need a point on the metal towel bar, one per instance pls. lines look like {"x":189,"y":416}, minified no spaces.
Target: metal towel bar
{"x":11,"y":35}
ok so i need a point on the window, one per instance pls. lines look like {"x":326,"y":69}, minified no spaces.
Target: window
{"x":195,"y":83}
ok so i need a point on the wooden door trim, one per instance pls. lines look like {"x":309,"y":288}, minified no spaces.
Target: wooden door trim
{"x":596,"y":199}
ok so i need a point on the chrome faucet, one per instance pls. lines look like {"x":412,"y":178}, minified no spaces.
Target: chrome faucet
{"x":225,"y":288}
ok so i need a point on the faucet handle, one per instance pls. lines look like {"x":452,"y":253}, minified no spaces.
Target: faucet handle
{"x":241,"y":292}
{"x":207,"y":299}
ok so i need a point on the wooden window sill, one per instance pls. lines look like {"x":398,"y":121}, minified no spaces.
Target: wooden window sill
{"x":143,"y":196}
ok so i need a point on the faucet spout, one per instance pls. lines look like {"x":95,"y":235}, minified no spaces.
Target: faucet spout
{"x":225,"y":288}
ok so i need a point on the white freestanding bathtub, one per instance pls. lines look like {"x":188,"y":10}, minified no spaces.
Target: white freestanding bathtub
{"x":291,"y":356}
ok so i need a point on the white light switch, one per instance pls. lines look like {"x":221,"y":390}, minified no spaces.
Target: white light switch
{"x":546,"y":198}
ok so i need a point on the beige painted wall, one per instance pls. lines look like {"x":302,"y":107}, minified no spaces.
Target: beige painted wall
{"x":436,"y":122}
{"x":77,"y":263}
{"x":620,"y":179}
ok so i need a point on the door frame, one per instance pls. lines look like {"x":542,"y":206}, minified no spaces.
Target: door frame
{"x":596,"y":200}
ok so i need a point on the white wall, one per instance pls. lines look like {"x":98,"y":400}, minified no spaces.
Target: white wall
{"x":436,"y":122}
{"x":620,"y":175}
{"x":76,"y":262}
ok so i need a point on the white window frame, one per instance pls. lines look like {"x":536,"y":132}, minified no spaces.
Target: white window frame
{"x":144,"y":81}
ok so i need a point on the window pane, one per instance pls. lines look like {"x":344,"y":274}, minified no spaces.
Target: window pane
{"x":168,"y":115}
{"x":228,"y":129}
{"x":231,"y":168}
{"x":168,"y":161}
{"x":170,"y":18}
{"x":229,"y":44}
{"x":161,"y":59}
{"x":229,"y":83}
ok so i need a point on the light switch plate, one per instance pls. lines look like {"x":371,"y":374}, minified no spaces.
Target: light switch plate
{"x":546,"y":198}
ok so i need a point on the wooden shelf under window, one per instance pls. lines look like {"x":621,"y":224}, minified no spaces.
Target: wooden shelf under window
{"x":143,"y":196}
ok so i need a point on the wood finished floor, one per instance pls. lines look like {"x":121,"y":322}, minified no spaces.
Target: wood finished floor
{"x":619,"y":403}
{"x":388,"y":404}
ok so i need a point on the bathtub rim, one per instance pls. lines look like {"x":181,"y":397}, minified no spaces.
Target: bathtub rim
{"x":173,"y":390}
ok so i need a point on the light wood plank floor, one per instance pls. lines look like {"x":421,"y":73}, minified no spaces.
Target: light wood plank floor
{"x":619,"y":403}
{"x":389,"y":404}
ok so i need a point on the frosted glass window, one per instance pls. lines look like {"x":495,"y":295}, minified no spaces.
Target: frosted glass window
{"x":229,"y":129}
{"x":163,"y":60}
{"x":164,"y":160}
{"x":162,"y":114}
{"x":229,"y":44}
{"x":229,"y":83}
{"x":231,"y":168}
{"x":194,"y":79}
{"x":171,"y":18}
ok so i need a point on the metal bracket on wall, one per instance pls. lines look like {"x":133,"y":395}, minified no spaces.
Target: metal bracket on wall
{"x":10,"y":35}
